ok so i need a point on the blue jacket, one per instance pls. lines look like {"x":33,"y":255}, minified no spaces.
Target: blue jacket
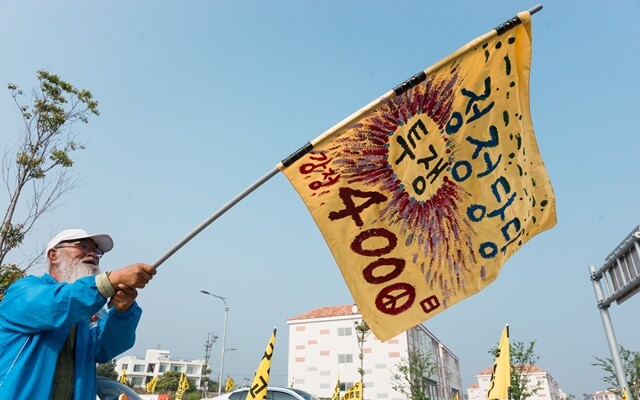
{"x":36,"y":316}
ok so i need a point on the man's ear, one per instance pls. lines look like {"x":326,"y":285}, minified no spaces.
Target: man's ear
{"x":52,"y":255}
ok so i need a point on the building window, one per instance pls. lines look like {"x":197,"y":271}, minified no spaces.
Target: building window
{"x":163,"y":367}
{"x":344,"y":331}
{"x":151,"y":367}
{"x":125,"y":366}
{"x":191,"y":370}
{"x":138,"y":368}
{"x":176,"y":368}
{"x":344,"y":386}
{"x":136,"y":380}
{"x":345,"y":358}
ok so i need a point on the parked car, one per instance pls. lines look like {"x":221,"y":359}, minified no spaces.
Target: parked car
{"x":273,"y":393}
{"x":108,"y":389}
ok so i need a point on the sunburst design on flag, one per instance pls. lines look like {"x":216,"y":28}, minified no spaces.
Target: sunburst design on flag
{"x":433,"y":223}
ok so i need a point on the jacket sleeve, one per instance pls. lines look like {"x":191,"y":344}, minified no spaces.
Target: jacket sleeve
{"x":116,"y":333}
{"x":34,"y":304}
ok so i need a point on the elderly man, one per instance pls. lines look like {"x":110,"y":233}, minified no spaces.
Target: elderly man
{"x":55,"y":328}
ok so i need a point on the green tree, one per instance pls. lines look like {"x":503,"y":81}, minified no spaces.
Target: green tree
{"x":412,"y":373}
{"x":169,"y":381}
{"x":108,"y":369}
{"x":35,"y":174}
{"x":362,"y":332}
{"x":522,"y":358}
{"x":631,"y":366}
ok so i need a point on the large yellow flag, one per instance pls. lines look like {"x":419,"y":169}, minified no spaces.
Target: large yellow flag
{"x":258,"y":389}
{"x":336,"y":390}
{"x":423,"y":194}
{"x":500,"y":384}
{"x":354,"y":392}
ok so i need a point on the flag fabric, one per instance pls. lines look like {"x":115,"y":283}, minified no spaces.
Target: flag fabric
{"x":229,"y":384}
{"x":354,"y":392}
{"x":151,"y":385}
{"x":624,"y":394}
{"x":336,"y":390}
{"x":500,"y":383}
{"x":123,"y":377}
{"x":258,"y":389}
{"x":423,"y":194}
{"x":455,"y":397}
{"x":185,"y":383}
{"x":183,"y":386}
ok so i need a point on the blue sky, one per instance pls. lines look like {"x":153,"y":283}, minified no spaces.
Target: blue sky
{"x":201,"y":98}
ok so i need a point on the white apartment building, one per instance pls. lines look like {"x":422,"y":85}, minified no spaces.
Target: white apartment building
{"x":323,"y":347}
{"x":604,"y":395}
{"x":538,"y":378}
{"x":155,"y":363}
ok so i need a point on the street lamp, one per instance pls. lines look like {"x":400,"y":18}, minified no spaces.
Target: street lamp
{"x":224,"y":336}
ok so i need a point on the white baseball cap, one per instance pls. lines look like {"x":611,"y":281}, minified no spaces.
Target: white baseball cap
{"x":103,"y":241}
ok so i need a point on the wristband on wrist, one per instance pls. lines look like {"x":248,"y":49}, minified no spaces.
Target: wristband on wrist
{"x":104,"y":285}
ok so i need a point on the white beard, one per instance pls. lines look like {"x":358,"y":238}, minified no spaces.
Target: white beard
{"x":70,"y":270}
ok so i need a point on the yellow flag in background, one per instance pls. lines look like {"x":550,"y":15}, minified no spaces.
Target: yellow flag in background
{"x":500,"y":384}
{"x":455,"y":397}
{"x":423,"y":194}
{"x":354,"y":392}
{"x":183,"y":386}
{"x":624,"y":394}
{"x":229,"y":385}
{"x":123,"y":377}
{"x":336,"y":391}
{"x":151,"y":385}
{"x":258,"y":389}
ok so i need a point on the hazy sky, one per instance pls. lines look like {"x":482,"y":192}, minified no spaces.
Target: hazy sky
{"x":201,"y":98}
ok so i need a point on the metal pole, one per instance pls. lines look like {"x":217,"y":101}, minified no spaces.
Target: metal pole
{"x":224,"y":342}
{"x":224,"y":336}
{"x":608,"y":331}
{"x":215,"y":216}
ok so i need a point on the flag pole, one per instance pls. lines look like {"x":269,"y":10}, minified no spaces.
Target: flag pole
{"x":302,"y":151}
{"x":215,"y":216}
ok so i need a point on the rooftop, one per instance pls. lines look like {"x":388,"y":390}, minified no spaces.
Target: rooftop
{"x":329,"y":311}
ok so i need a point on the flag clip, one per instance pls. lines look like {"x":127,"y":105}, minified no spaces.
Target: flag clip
{"x":409,"y":83}
{"x":297,"y":154}
{"x":512,"y":23}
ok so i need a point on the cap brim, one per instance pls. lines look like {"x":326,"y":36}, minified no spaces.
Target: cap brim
{"x":103,"y":241}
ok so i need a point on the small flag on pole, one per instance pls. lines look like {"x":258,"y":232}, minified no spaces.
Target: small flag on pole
{"x":229,"y":385}
{"x":151,"y":385}
{"x":423,"y":194}
{"x":336,"y":390}
{"x":258,"y":389}
{"x":183,"y":386}
{"x":354,"y":392}
{"x":500,"y":383}
{"x":123,"y":377}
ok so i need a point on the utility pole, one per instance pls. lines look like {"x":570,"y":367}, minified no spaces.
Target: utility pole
{"x":211,"y":339}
